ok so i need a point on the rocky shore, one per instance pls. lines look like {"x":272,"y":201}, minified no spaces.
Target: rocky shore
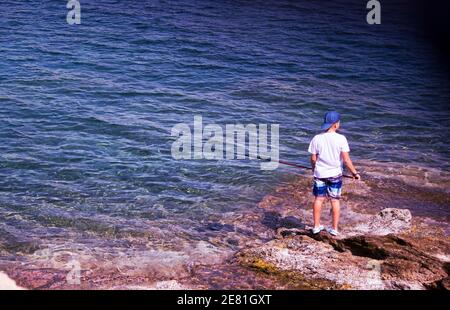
{"x":390,"y":239}
{"x":380,"y":253}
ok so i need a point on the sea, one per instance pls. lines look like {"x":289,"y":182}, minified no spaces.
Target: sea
{"x":88,"y":183}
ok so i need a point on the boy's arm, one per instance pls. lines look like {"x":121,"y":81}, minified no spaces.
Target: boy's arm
{"x":313,"y":161}
{"x":313,"y":150}
{"x":349,"y":164}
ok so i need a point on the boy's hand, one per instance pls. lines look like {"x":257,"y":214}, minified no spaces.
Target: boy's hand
{"x":356,"y":176}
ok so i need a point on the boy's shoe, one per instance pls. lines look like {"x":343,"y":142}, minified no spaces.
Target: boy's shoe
{"x":317,"y":230}
{"x":333,"y":232}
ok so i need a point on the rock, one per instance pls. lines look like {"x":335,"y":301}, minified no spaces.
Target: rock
{"x":41,"y":279}
{"x":443,"y":284}
{"x":14,"y":244}
{"x":314,"y":262}
{"x":402,"y":260}
{"x":7,"y":283}
{"x":387,"y":221}
{"x":169,"y":285}
{"x":160,"y":285}
{"x":358,"y":262}
{"x":218,"y":226}
{"x":387,"y":250}
{"x":232,"y":241}
{"x":274,"y":220}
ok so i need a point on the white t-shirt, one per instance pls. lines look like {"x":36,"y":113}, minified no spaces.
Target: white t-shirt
{"x":328,"y":147}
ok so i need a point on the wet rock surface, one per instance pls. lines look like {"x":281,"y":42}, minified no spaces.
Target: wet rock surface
{"x":9,"y":242}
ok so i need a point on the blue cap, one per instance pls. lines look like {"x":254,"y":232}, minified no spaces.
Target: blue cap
{"x":329,"y":119}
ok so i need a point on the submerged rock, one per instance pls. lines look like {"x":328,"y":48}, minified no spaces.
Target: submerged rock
{"x":274,"y":220}
{"x":12,"y":243}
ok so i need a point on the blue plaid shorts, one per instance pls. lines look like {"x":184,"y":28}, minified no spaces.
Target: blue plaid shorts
{"x":328,"y":187}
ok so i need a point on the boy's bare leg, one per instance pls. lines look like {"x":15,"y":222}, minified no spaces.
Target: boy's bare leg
{"x":336,"y":207}
{"x":317,"y":209}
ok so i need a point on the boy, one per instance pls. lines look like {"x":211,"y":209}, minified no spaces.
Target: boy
{"x":329,"y":150}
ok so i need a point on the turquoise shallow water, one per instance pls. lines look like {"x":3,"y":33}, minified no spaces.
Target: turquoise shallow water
{"x":86,"y":111}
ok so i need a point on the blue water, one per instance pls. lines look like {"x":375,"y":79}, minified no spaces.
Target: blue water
{"x":86,"y":110}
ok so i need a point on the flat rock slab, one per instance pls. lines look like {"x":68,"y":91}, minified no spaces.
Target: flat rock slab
{"x":387,"y":221}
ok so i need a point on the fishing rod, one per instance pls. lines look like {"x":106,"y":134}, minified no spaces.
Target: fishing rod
{"x":283,"y":162}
